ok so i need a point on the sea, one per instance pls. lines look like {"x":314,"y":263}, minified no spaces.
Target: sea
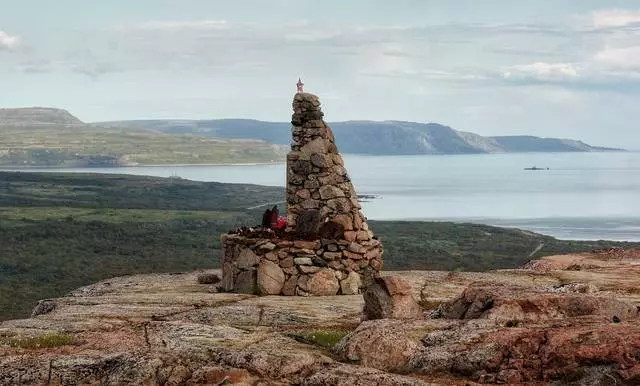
{"x":578,"y":196}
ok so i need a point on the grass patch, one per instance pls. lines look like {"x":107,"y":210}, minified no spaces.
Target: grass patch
{"x":322,"y":338}
{"x":49,"y":340}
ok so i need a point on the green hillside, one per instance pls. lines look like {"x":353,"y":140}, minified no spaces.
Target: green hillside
{"x":62,"y":231}
{"x":54,"y":138}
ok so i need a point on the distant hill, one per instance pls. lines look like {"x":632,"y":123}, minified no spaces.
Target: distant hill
{"x":37,"y":116}
{"x":43,"y":137}
{"x":368,"y":137}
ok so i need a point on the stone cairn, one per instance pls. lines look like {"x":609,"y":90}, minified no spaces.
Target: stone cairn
{"x":327,"y":247}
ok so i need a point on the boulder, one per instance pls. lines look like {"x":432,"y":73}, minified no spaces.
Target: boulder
{"x":246,"y":282}
{"x":323,"y":283}
{"x":396,"y":285}
{"x":390,"y":298}
{"x":289,"y":288}
{"x":247,"y":259}
{"x":270,"y":278}
{"x":208,"y":278}
{"x":380,"y":344}
{"x":351,"y":284}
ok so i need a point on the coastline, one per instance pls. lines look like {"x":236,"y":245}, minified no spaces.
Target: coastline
{"x":19,"y":167}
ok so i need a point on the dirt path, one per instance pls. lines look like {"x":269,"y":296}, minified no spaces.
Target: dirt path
{"x":538,"y":248}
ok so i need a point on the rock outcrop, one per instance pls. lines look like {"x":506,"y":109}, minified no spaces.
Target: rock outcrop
{"x":514,"y":304}
{"x":502,"y":327}
{"x":390,"y":297}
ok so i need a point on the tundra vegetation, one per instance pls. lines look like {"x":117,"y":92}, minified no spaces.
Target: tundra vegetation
{"x":62,"y":231}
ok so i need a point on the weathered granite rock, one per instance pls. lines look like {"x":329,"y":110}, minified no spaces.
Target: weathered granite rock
{"x":247,"y":259}
{"x":165,"y":328}
{"x":302,"y":261}
{"x":270,"y":278}
{"x":247,"y":282}
{"x":323,"y":283}
{"x":208,"y":278}
{"x":390,"y":297}
{"x":383,"y":345}
{"x":351,"y":284}
{"x":512,"y":304}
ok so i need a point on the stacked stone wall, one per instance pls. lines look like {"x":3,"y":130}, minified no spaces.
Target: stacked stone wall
{"x":299,"y":267}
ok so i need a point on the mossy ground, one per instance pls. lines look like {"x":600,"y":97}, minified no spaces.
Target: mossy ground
{"x":323,"y":338}
{"x":48,"y":340}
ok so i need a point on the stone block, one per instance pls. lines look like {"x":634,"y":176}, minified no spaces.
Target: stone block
{"x":302,"y":261}
{"x":362,"y":236}
{"x":357,"y":248}
{"x":328,"y":192}
{"x":380,"y":304}
{"x":352,"y":256}
{"x":323,"y":283}
{"x":287,"y":262}
{"x":350,"y":236}
{"x":303,"y":244}
{"x":247,"y":282}
{"x":269,"y":246}
{"x":289,"y":288}
{"x":318,"y":262}
{"x":318,"y":160}
{"x":304,"y":194}
{"x":340,"y":205}
{"x":247,"y":259}
{"x":372,"y":254}
{"x":308,"y":269}
{"x":332,"y":255}
{"x":351,"y":284}
{"x":345,"y":221}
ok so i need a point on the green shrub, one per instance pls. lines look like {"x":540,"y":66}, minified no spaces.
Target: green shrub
{"x":48,"y":340}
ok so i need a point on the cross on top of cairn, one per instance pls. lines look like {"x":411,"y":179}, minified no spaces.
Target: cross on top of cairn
{"x":300,"y":86}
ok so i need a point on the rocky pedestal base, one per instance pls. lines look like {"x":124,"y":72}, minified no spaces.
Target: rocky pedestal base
{"x":272,"y":266}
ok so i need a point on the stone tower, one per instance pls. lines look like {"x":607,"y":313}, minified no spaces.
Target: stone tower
{"x":327,"y":247}
{"x":320,"y":197}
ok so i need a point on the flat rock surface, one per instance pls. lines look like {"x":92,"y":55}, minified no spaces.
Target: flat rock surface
{"x":168,"y":329}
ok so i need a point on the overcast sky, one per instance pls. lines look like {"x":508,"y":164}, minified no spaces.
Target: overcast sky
{"x":562,"y":68}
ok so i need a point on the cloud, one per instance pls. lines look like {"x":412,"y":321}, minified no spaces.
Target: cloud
{"x":615,"y":18}
{"x":627,"y":58}
{"x":181,"y":25}
{"x":8,"y":42}
{"x":94,"y":70}
{"x":542,"y":71}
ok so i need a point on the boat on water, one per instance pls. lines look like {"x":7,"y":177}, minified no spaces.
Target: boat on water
{"x":536,"y":168}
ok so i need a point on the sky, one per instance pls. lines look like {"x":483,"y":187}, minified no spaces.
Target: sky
{"x":551,"y":68}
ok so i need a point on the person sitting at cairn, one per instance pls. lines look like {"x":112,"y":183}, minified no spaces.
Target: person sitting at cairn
{"x":272,"y":220}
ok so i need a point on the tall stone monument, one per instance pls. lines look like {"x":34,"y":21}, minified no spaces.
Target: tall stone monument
{"x":327,"y":247}
{"x":320,"y":195}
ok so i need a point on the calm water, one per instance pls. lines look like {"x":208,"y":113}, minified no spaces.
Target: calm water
{"x":582,"y":196}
